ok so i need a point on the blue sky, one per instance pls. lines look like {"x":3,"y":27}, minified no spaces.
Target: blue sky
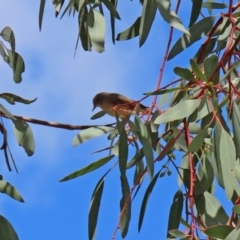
{"x":65,"y":87}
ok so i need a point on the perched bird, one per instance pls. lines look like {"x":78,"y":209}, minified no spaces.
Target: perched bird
{"x":114,"y":102}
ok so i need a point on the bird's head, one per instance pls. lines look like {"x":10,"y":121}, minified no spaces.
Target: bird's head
{"x":98,"y":99}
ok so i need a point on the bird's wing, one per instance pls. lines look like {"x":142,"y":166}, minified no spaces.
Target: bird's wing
{"x":120,"y":99}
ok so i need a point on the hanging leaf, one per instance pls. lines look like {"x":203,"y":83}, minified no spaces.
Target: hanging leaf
{"x":123,"y":151}
{"x":96,"y":28}
{"x":41,"y":11}
{"x":8,"y":35}
{"x":225,"y":149}
{"x":94,"y":208}
{"x":169,"y":16}
{"x":125,"y":206}
{"x":197,"y":31}
{"x":145,"y":199}
{"x":148,"y":15}
{"x":24,"y":136}
{"x":198,"y":140}
{"x":7,"y":231}
{"x":175,"y":212}
{"x":236,"y":128}
{"x":131,"y":32}
{"x":145,"y":140}
{"x":196,"y":9}
{"x":214,"y":5}
{"x":89,"y":168}
{"x":111,"y":8}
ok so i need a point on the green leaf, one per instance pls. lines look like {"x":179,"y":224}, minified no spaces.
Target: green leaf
{"x":131,"y":32}
{"x":234,"y":234}
{"x":196,"y":9}
{"x":236,"y":128}
{"x":214,"y":5}
{"x":41,"y":11}
{"x":162,"y":91}
{"x":210,"y":65}
{"x":204,"y":50}
{"x":89,"y":168}
{"x":236,"y":209}
{"x":219,"y":231}
{"x":94,"y":208}
{"x":197,"y":31}
{"x":169,"y":16}
{"x":136,"y":158}
{"x":176,"y":233}
{"x":7,"y":231}
{"x":175,"y":211}
{"x":12,"y":98}
{"x":145,"y":199}
{"x":205,"y":176}
{"x":148,"y":15}
{"x":145,"y":140}
{"x":89,"y":133}
{"x":24,"y":136}
{"x":235,"y":65}
{"x":96,"y":28}
{"x":212,"y":207}
{"x":184,"y":73}
{"x":6,"y":112}
{"x":226,"y":151}
{"x":98,"y":115}
{"x":17,"y":65}
{"x":7,"y":188}
{"x":179,"y":111}
{"x":123,"y":151}
{"x":197,"y":70}
{"x":8,"y":35}
{"x":111,"y":8}
{"x":125,"y":206}
{"x":198,"y":140}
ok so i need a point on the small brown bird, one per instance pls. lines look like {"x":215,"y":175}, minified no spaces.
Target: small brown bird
{"x":114,"y":102}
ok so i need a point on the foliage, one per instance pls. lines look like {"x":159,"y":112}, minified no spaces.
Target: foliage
{"x":201,"y":125}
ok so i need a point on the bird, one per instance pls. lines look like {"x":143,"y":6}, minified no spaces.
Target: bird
{"x":115,"y":102}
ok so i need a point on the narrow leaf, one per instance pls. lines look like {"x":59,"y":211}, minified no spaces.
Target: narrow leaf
{"x":198,"y":140}
{"x":89,"y":133}
{"x":179,"y":111}
{"x":111,"y":8}
{"x":125,"y":206}
{"x":123,"y":151}
{"x":7,"y":188}
{"x":236,"y":128}
{"x":169,"y":16}
{"x":131,"y":32}
{"x":196,"y":9}
{"x":197,"y":70}
{"x":12,"y":98}
{"x":89,"y":168}
{"x":148,"y":15}
{"x":210,"y":65}
{"x":94,"y":208}
{"x":219,"y":231}
{"x":96,"y":28}
{"x":197,"y":31}
{"x":175,"y":211}
{"x":7,"y":231}
{"x":41,"y":11}
{"x":145,"y":199}
{"x":145,"y":140}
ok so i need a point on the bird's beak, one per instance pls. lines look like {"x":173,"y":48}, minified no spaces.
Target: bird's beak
{"x":93,"y":108}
